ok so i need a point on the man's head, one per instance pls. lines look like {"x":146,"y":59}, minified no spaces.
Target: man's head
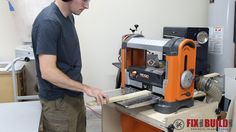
{"x":77,"y":6}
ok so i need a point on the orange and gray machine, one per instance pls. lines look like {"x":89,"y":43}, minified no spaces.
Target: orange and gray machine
{"x":172,"y":79}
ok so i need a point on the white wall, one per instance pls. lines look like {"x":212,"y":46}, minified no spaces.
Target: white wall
{"x":9,"y":37}
{"x":100,"y":29}
{"x":15,"y":27}
{"x":25,"y":13}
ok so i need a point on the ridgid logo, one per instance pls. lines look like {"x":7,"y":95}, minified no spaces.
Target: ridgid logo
{"x":202,"y":124}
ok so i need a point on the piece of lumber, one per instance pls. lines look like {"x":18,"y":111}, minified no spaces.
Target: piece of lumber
{"x":123,"y":97}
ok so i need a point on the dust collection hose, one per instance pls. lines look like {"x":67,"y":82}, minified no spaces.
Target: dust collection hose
{"x":211,"y":87}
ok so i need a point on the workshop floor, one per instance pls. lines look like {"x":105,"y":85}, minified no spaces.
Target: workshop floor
{"x":93,"y":121}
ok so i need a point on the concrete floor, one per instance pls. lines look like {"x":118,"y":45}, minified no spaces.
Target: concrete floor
{"x":93,"y":122}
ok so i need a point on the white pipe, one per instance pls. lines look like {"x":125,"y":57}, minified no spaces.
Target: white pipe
{"x":30,"y":97}
{"x":14,"y":81}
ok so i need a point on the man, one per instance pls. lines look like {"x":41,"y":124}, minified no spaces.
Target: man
{"x":58,"y":65}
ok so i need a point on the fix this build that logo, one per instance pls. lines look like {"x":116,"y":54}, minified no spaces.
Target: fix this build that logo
{"x":202,"y":124}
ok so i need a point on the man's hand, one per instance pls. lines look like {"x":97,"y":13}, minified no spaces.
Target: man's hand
{"x":98,"y":94}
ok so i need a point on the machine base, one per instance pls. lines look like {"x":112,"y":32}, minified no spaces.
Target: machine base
{"x":167,"y":108}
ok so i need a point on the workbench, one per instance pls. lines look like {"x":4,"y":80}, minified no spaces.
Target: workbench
{"x":20,"y":116}
{"x":6,"y":87}
{"x":113,"y":116}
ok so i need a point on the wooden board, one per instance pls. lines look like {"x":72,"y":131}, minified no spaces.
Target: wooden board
{"x":122,"y":97}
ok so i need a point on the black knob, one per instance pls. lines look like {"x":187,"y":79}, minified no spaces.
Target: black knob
{"x":171,"y":128}
{"x":217,"y":111}
{"x":188,"y":94}
{"x":132,"y":30}
{"x":136,"y":26}
{"x":27,"y":59}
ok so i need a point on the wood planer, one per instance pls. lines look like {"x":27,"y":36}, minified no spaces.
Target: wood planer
{"x":172,"y":78}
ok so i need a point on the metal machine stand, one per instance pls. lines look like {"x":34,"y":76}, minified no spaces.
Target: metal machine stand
{"x":16,"y":97}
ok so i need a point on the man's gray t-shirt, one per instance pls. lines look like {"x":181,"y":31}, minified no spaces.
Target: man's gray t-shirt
{"x":54,"y":34}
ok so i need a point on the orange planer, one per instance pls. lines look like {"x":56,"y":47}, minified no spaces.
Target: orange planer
{"x":170,"y":74}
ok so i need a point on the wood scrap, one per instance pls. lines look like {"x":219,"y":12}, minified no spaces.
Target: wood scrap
{"x":123,"y":97}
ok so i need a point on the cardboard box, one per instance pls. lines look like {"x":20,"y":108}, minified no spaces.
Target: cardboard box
{"x":6,"y":85}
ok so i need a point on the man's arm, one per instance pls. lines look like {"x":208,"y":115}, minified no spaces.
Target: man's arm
{"x":52,"y":74}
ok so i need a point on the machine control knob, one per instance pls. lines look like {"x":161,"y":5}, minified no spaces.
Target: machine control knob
{"x":202,"y":37}
{"x":136,"y":26}
{"x":188,"y":94}
{"x":186,"y":79}
{"x":134,"y":30}
{"x":171,"y":128}
{"x":218,"y":111}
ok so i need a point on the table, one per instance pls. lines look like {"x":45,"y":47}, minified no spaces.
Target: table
{"x":20,"y":116}
{"x":112,"y":113}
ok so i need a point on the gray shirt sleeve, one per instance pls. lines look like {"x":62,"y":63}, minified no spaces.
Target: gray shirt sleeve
{"x":48,"y":35}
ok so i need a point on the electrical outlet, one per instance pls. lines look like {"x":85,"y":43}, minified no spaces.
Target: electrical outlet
{"x":212,"y":1}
